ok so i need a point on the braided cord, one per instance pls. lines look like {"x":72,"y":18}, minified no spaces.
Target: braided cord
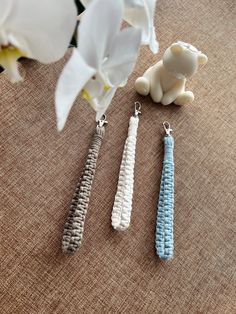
{"x":74,"y":226}
{"x":121,"y":213}
{"x":165,"y":214}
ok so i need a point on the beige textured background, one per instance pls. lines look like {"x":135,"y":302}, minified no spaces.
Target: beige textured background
{"x":119,"y":272}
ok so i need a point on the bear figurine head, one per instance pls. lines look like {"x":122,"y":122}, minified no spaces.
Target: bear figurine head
{"x":182,"y":59}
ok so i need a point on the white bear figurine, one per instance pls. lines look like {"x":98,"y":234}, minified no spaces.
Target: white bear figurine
{"x":165,"y":81}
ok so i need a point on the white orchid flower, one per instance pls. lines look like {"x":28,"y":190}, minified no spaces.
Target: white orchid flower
{"x":140,"y":13}
{"x":39,"y":30}
{"x":102,"y":62}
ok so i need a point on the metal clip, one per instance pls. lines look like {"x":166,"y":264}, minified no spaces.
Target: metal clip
{"x":167,"y":128}
{"x":102,"y":121}
{"x":137,"y":108}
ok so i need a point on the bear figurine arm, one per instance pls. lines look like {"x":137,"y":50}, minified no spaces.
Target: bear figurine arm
{"x":156,"y":91}
{"x":172,"y":94}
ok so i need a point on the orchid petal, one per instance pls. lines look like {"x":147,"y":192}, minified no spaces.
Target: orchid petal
{"x":45,"y":35}
{"x":99,"y":24}
{"x":105,"y":102}
{"x":128,"y":3}
{"x":153,"y":43}
{"x":142,"y":16}
{"x":6,"y":6}
{"x":123,"y":55}
{"x":94,"y":88}
{"x":85,"y":2}
{"x":133,"y":3}
{"x":74,"y":76}
{"x":137,"y":17}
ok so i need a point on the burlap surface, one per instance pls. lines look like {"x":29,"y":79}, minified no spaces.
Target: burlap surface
{"x":119,"y":272}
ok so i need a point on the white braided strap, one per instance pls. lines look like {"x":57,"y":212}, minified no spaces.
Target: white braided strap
{"x":122,"y":207}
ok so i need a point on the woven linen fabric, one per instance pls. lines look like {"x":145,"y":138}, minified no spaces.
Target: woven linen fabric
{"x":119,"y":272}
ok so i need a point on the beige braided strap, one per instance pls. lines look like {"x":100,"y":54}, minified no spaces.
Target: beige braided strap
{"x":74,"y":226}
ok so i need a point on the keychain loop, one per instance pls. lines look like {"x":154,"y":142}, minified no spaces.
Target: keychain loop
{"x":167,"y":128}
{"x":137,"y":108}
{"x":101,"y":122}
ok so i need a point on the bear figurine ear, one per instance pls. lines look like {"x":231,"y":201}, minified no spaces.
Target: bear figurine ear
{"x":176,"y":48}
{"x":202,"y":59}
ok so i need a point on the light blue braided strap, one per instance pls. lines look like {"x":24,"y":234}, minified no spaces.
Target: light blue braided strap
{"x":165,"y":213}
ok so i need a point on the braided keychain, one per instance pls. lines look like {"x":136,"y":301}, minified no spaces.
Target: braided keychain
{"x":165,"y":213}
{"x":74,"y":226}
{"x":122,"y":207}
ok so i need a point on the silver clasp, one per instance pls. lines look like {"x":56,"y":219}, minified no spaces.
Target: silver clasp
{"x":167,"y":128}
{"x":137,"y":108}
{"x":102,"y":121}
